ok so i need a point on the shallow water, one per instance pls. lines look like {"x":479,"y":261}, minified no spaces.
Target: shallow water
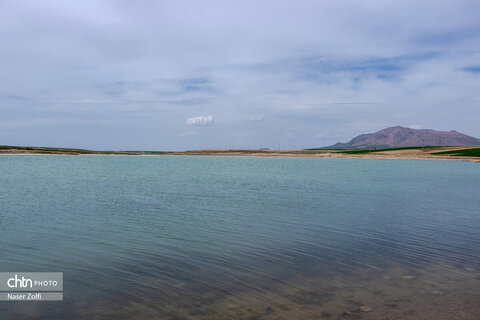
{"x":178,"y":237}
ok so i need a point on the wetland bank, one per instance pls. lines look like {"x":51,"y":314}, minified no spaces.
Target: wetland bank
{"x":189,"y":237}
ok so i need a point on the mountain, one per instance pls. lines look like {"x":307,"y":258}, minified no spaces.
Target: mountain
{"x":398,"y":137}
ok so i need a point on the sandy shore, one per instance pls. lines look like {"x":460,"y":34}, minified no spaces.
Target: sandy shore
{"x":406,"y":154}
{"x":411,"y":154}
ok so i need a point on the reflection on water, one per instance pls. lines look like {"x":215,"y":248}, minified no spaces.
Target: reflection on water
{"x":244,"y":238}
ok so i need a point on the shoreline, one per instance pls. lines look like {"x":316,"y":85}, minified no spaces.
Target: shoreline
{"x":414,"y":154}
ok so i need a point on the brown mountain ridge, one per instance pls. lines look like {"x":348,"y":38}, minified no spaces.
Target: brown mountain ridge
{"x":399,"y":137}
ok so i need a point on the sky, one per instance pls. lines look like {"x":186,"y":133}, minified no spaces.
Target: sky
{"x":182,"y":75}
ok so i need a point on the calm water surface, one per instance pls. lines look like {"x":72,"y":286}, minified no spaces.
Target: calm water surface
{"x":178,"y":237}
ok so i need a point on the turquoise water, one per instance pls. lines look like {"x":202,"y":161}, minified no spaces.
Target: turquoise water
{"x":178,"y":237}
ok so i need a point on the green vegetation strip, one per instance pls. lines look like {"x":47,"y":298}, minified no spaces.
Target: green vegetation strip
{"x":473,"y":152}
{"x":58,"y":150}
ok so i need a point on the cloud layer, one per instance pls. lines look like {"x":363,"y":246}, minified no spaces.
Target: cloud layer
{"x":126,"y":75}
{"x":200,"y":121}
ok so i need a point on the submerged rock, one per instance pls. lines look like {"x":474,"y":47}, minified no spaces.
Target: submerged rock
{"x":366,"y":309}
{"x":231,"y":306}
{"x":436,"y":292}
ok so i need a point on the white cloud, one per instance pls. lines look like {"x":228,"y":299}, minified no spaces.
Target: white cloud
{"x":415,"y":126}
{"x":200,"y":121}
{"x":321,"y":134}
{"x":257,"y":119}
{"x":86,"y":101}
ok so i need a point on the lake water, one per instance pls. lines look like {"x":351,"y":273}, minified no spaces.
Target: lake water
{"x":178,"y":237}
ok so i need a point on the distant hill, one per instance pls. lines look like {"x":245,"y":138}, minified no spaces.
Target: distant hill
{"x":398,"y":137}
